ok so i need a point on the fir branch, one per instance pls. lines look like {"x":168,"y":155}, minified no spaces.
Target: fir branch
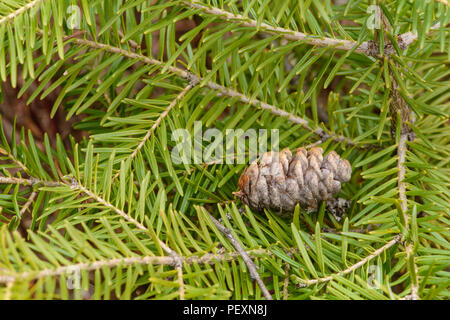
{"x":178,"y":261}
{"x":14,"y":160}
{"x":192,"y":78}
{"x":367,"y":48}
{"x":161,"y":117}
{"x":412,"y":70}
{"x":376,"y":253}
{"x":19,"y":11}
{"x":285,"y":33}
{"x":401,"y":111}
{"x":206,"y":259}
{"x":248,"y":261}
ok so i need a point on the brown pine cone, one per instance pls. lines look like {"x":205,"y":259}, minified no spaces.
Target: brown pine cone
{"x":280,"y":181}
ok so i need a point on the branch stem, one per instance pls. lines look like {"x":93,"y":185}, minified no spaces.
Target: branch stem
{"x":208,"y":258}
{"x":365,"y":48}
{"x":248,"y":261}
{"x":221,"y":90}
{"x":376,"y":253}
{"x":177,"y":260}
{"x":19,"y":11}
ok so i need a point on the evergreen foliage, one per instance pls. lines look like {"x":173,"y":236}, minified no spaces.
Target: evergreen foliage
{"x":135,"y":225}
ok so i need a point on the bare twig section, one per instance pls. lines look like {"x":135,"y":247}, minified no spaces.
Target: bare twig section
{"x":407,"y":38}
{"x":19,"y":11}
{"x":376,"y":253}
{"x":28,"y":203}
{"x":132,"y":43}
{"x":5,"y":180}
{"x":208,"y":258}
{"x":401,"y":153}
{"x":224,"y":91}
{"x":29,"y":182}
{"x":248,"y":261}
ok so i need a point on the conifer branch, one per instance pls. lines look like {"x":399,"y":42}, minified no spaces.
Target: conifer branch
{"x":376,"y":253}
{"x":285,"y":33}
{"x":105,"y":62}
{"x":222,"y":90}
{"x":367,"y":48}
{"x":248,"y":261}
{"x":205,"y":259}
{"x":178,"y":261}
{"x":13,"y":159}
{"x":161,"y":117}
{"x":19,"y":11}
{"x":401,"y":111}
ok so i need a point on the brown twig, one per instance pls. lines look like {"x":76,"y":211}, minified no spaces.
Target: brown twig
{"x":401,"y":111}
{"x":132,"y":43}
{"x":29,"y":182}
{"x":248,"y":261}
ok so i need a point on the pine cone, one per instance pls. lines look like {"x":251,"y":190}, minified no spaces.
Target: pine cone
{"x":280,"y":181}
